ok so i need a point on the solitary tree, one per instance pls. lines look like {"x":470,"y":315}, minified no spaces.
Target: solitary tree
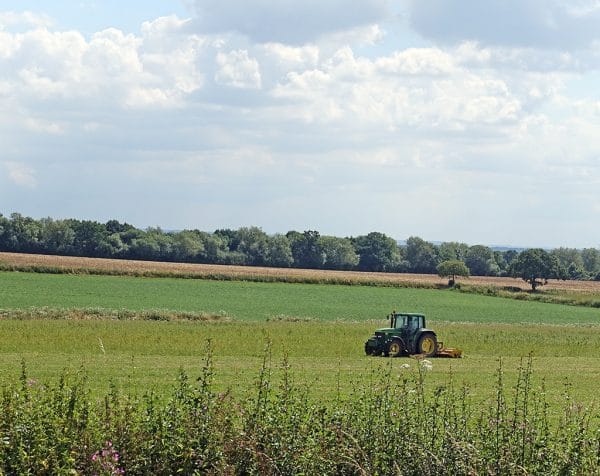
{"x":535,"y":266}
{"x":451,"y":269}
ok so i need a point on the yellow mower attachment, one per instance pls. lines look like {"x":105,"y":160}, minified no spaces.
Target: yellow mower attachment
{"x":447,"y":352}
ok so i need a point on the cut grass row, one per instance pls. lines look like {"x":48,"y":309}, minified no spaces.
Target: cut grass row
{"x":242,"y":300}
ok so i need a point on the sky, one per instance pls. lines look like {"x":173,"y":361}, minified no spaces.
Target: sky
{"x":455,"y":120}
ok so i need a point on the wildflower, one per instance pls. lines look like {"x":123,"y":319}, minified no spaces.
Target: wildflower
{"x":405,"y":366}
{"x":426,"y":365}
{"x":107,"y":460}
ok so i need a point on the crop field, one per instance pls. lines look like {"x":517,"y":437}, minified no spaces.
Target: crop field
{"x":245,"y":272}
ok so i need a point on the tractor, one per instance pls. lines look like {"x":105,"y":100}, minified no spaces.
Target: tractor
{"x":407,"y":335}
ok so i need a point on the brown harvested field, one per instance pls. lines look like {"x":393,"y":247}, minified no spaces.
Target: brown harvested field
{"x":200,"y":270}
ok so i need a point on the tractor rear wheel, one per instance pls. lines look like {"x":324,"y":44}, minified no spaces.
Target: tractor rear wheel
{"x":427,"y":344}
{"x":395,"y":348}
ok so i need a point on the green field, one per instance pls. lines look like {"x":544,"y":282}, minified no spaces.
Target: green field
{"x":260,"y":301}
{"x":324,"y":347}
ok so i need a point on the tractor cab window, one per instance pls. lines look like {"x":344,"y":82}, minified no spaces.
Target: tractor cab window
{"x":401,"y":321}
{"x":414,"y":322}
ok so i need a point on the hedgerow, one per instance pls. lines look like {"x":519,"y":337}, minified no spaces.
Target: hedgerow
{"x":398,"y":424}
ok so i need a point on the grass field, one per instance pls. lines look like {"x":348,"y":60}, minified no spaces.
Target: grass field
{"x":326,"y":357}
{"x":324,"y":345}
{"x":242,"y":300}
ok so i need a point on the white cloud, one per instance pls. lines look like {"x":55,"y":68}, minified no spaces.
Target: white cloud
{"x":418,"y":61}
{"x":20,"y":174}
{"x":238,"y":70}
{"x":418,"y":88}
{"x":291,"y":57}
{"x":25,"y":19}
{"x":109,"y":68}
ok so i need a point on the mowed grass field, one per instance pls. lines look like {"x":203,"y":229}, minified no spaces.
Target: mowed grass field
{"x":324,"y":348}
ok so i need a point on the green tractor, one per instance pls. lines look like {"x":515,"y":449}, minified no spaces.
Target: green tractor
{"x":407,"y":335}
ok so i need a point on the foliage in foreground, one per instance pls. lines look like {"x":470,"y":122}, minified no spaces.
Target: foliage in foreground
{"x":397,"y":425}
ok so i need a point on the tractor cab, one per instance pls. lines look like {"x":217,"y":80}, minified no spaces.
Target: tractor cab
{"x":407,"y":321}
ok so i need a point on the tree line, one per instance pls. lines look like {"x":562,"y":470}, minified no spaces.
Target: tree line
{"x":251,"y":246}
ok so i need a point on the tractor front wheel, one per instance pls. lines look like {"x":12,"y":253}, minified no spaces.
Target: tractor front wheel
{"x":371,"y":350}
{"x":395,"y":348}
{"x":427,"y":344}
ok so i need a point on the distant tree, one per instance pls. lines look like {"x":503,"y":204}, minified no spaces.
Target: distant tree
{"x":377,"y":252}
{"x":144,"y":248}
{"x":339,"y":253}
{"x":186,"y":246}
{"x":57,"y":237}
{"x":253,"y":242}
{"x":280,"y":251}
{"x":164,"y":242}
{"x":88,"y":236}
{"x":576,"y":272}
{"x":113,"y":226}
{"x":4,"y":230}
{"x":422,"y":256}
{"x":451,"y":269}
{"x":509,"y":256}
{"x":453,"y":250}
{"x":480,"y":261}
{"x":22,"y":234}
{"x":591,"y":260}
{"x":112,"y":246}
{"x":501,"y":263}
{"x":535,"y":266}
{"x":229,"y":237}
{"x":215,"y":250}
{"x":565,"y":258}
{"x":306,"y":249}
